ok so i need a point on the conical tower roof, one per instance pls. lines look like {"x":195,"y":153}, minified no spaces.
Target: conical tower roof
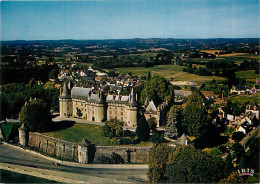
{"x":101,"y":98}
{"x":23,"y":127}
{"x":133,"y":102}
{"x":146,"y":101}
{"x":65,"y":93}
{"x":182,"y":140}
{"x":84,"y":143}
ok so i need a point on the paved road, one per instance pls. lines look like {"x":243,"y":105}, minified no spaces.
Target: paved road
{"x":28,"y":160}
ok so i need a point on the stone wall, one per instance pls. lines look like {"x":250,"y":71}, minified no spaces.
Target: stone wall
{"x":53,"y":146}
{"x":128,"y":153}
{"x":69,"y":150}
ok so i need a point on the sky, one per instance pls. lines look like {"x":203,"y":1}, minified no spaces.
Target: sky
{"x":124,"y":19}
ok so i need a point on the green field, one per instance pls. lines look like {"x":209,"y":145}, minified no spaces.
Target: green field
{"x":143,"y":55}
{"x":254,"y":179}
{"x":92,"y":133}
{"x":246,"y":98}
{"x":248,"y":74}
{"x":13,"y":177}
{"x":167,"y":71}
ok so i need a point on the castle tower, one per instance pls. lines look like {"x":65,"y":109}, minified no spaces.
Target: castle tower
{"x":23,"y":137}
{"x":83,"y":151}
{"x":132,"y":110}
{"x":65,"y":102}
{"x":100,"y":108}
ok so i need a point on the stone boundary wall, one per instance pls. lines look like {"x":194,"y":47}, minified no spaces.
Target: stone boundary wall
{"x":68,"y":150}
{"x":128,"y":153}
{"x":53,"y":146}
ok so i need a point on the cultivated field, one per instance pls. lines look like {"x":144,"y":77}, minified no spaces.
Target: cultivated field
{"x":210,"y":51}
{"x":246,"y":98}
{"x":169,"y":72}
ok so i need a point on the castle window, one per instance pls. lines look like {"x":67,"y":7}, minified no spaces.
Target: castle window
{"x":110,"y":112}
{"x":121,"y":113}
{"x":68,"y":108}
{"x":121,"y":118}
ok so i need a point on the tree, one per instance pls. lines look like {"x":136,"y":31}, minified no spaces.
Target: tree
{"x":79,"y":113}
{"x":113,"y":128}
{"x":157,"y":89}
{"x":238,"y":136}
{"x":36,"y":115}
{"x":239,"y":152}
{"x":195,"y":119}
{"x":228,"y":164}
{"x":253,"y":154}
{"x":152,"y":123}
{"x":233,"y":178}
{"x":149,"y":76}
{"x":190,"y":165}
{"x":158,"y":157}
{"x":142,"y":129}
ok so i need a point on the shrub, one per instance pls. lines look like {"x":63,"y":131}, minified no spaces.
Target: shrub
{"x":157,"y":137}
{"x":113,"y":128}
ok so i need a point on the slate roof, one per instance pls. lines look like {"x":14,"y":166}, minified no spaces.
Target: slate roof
{"x":117,"y":98}
{"x":80,"y":93}
{"x":151,"y":107}
{"x":65,"y":93}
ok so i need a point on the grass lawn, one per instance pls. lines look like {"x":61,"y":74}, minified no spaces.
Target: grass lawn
{"x":92,"y":133}
{"x":242,"y":99}
{"x":13,"y":177}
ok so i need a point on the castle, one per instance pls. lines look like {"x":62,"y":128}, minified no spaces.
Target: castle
{"x":83,"y":103}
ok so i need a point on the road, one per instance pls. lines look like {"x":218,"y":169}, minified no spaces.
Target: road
{"x":25,"y":161}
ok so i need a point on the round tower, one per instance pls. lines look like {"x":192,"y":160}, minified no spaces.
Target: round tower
{"x":83,"y":151}
{"x":100,"y":108}
{"x":23,"y":137}
{"x":132,"y":110}
{"x":65,"y":102}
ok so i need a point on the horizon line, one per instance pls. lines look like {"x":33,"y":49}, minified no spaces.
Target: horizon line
{"x":131,"y":39}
